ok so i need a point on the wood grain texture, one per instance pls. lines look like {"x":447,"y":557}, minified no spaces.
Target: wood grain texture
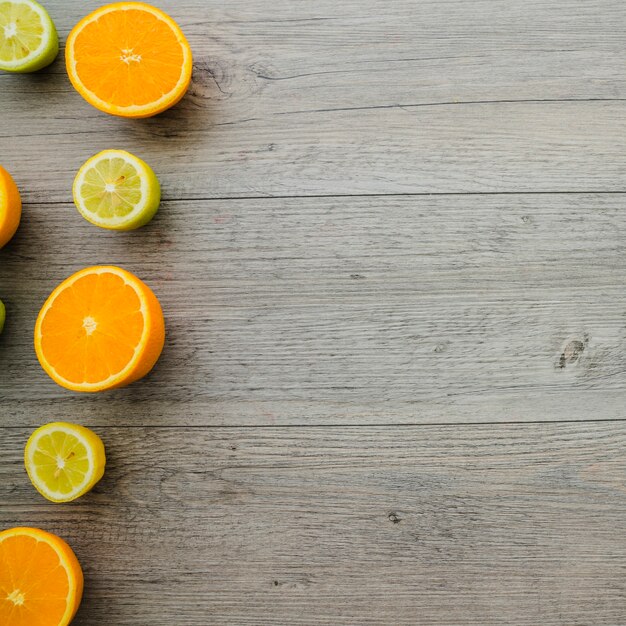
{"x":458,"y":525}
{"x":359,"y":98}
{"x":391,"y":256}
{"x":351,"y":310}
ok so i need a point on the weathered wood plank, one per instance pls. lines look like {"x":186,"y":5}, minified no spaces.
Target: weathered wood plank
{"x":476,"y":148}
{"x":329,"y":98}
{"x":432,"y":525}
{"x":343,"y":311}
{"x":342,"y":55}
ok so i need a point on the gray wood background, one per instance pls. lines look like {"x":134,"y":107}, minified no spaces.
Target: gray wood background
{"x":391,"y":254}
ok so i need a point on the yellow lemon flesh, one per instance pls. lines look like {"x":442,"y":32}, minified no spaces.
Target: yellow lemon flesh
{"x":64,"y":461}
{"x":28,"y":38}
{"x":116,"y":190}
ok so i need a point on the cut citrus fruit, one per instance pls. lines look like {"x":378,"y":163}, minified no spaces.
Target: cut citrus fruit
{"x":41,"y":582}
{"x":3,"y":314}
{"x":129,"y":59}
{"x":10,"y":207}
{"x":116,"y":190}
{"x":28,"y":38}
{"x":101,"y":328}
{"x":64,"y":461}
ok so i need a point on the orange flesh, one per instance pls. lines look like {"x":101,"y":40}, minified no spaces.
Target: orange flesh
{"x":93,"y":328}
{"x":10,"y":207}
{"x":128,"y":57}
{"x":34,"y":584}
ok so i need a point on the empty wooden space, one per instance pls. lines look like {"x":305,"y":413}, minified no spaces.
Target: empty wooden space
{"x":391,"y":255}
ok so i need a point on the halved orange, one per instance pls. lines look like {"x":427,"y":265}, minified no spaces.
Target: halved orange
{"x":129,"y":59}
{"x":41,"y":581}
{"x":10,"y":207}
{"x":101,"y":328}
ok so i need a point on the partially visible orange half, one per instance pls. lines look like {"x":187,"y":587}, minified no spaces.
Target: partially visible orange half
{"x":101,"y":328}
{"x":41,"y":581}
{"x":10,"y":207}
{"x":129,"y":59}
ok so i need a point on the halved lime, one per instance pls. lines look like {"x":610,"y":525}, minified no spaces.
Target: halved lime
{"x":64,"y":461}
{"x":28,"y":38}
{"x":3,"y":314}
{"x":117,"y":190}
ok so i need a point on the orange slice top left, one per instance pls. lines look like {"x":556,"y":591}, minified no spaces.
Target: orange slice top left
{"x":41,"y":581}
{"x":129,"y":59}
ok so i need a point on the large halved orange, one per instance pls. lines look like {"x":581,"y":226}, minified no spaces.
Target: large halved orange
{"x":41,"y":581}
{"x":101,"y":328}
{"x":129,"y":59}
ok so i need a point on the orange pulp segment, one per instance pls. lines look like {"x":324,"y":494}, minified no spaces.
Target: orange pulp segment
{"x":129,"y":59}
{"x":41,"y":581}
{"x":101,"y":328}
{"x":10,"y":207}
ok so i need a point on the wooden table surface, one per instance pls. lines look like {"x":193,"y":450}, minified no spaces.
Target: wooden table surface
{"x":392,"y":256}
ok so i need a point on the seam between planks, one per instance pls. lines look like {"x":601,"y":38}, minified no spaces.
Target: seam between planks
{"x":589,"y":192}
{"x":339,"y":426}
{"x":452,"y":103}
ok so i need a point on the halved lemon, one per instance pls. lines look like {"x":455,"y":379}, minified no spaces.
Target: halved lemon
{"x":64,"y":461}
{"x":28,"y":38}
{"x":3,"y":314}
{"x":117,"y":190}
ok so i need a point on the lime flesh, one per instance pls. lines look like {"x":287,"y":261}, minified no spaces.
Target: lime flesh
{"x":116,"y":190}
{"x":28,"y":38}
